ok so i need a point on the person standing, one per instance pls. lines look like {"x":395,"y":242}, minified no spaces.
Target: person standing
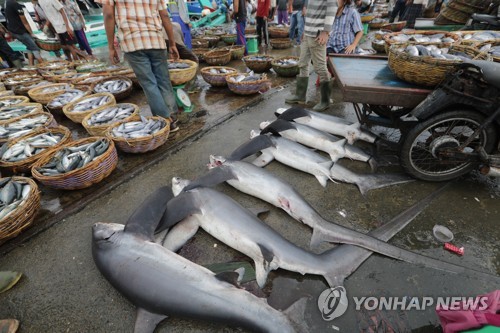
{"x":7,"y":53}
{"x":179,"y":12}
{"x":319,"y":20}
{"x":414,"y":10}
{"x":56,"y":15}
{"x":398,"y":10}
{"x":347,"y":29}
{"x":140,"y":25}
{"x":283,"y":12}
{"x":263,"y":7}
{"x":44,"y":24}
{"x":297,"y":11}
{"x":240,"y":17}
{"x":184,"y":52}
{"x":20,"y":29}
{"x":77,"y":21}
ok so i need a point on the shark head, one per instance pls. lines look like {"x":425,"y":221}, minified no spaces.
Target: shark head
{"x":104,"y":234}
{"x":178,"y":184}
{"x":264,"y":124}
{"x":254,"y":134}
{"x":216,"y":161}
{"x":280,"y":111}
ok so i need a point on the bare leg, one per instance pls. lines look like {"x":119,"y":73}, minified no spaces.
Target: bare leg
{"x":31,"y":59}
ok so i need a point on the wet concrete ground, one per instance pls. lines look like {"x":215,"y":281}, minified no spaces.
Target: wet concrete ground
{"x":62,"y":291}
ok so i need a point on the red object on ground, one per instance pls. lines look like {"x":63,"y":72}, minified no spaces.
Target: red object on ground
{"x":452,"y":248}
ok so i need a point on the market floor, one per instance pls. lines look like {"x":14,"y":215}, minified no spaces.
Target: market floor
{"x":62,"y":291}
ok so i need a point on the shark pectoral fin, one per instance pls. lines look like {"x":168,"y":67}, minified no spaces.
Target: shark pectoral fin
{"x":292,"y":113}
{"x":325,"y":170}
{"x":323,"y":180}
{"x":264,"y":159}
{"x":263,"y":267}
{"x":258,"y":210}
{"x":295,"y":313}
{"x":180,"y":234}
{"x":146,"y":322}
{"x":177,"y":209}
{"x":250,"y":147}
{"x":233,"y":278}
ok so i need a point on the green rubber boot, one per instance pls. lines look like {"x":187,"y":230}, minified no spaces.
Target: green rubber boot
{"x":325,"y":97}
{"x":300,"y":94}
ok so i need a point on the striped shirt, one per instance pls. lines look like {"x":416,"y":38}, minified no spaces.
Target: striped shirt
{"x":344,"y":29}
{"x":139,"y":24}
{"x":319,"y":16}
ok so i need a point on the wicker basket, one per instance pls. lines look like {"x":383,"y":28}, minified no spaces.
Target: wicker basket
{"x":58,"y":109}
{"x":200,"y":53}
{"x":454,"y":15}
{"x":199,"y":43}
{"x":51,"y":122}
{"x":22,"y":90}
{"x":108,"y":70}
{"x":86,"y":81}
{"x":367,"y":18}
{"x":69,"y":78}
{"x":100,"y":130}
{"x":7,"y":93}
{"x":90,"y":66}
{"x":249,"y":87}
{"x":229,"y":39}
{"x":54,"y":76}
{"x":493,"y":43}
{"x":465,"y":7}
{"x":377,"y":25}
{"x":237,"y":51}
{"x":379,"y":47}
{"x":218,"y":57}
{"x":37,"y":107}
{"x":25,"y":165}
{"x":286,"y":71}
{"x":13,"y":100}
{"x":20,"y":80}
{"x":281,"y":43}
{"x":39,"y":96}
{"x":48,"y":45}
{"x":275,"y":32}
{"x":181,"y":76}
{"x":212,"y":40}
{"x":141,"y":145}
{"x":24,"y":215}
{"x":258,"y":66}
{"x":78,"y":117}
{"x":53,"y":65}
{"x":251,"y":30}
{"x":83,"y":177}
{"x":119,"y":96}
{"x":389,"y":42}
{"x":216,"y":80}
{"x":394,"y":27}
{"x":426,"y":71}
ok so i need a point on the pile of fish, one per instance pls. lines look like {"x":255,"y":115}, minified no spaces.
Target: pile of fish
{"x":71,"y":158}
{"x":14,"y":111}
{"x":19,"y":79}
{"x":138,"y":129}
{"x":89,"y":103}
{"x":90,"y":66}
{"x":111,"y":114}
{"x":29,"y":86}
{"x":221,"y":71}
{"x":76,"y":75}
{"x":67,"y":97}
{"x":420,"y":38}
{"x":12,"y":194}
{"x":113,"y":86}
{"x":22,"y":126}
{"x":91,"y":79}
{"x":58,"y":71}
{"x":178,"y":65}
{"x":287,"y":62}
{"x":480,"y":36}
{"x":29,"y":147}
{"x":489,"y":48}
{"x":53,"y":89}
{"x":11,"y":101}
{"x":435,"y":52}
{"x":258,"y":58}
{"x":247,"y":78}
{"x":5,"y":93}
{"x":108,"y":68}
{"x":52,"y":65}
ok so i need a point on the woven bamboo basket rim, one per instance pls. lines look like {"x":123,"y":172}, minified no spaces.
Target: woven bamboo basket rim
{"x":40,"y":97}
{"x":218,"y":79}
{"x":16,"y":72}
{"x":275,"y":61}
{"x":180,"y":76}
{"x":245,"y":83}
{"x":200,"y":53}
{"x":23,"y":99}
{"x":92,"y":80}
{"x":33,"y":80}
{"x":377,"y":25}
{"x":472,"y":41}
{"x":454,"y":15}
{"x":198,"y":43}
{"x":96,"y":65}
{"x":48,"y":45}
{"x":38,"y":106}
{"x":248,"y":87}
{"x":217,"y":57}
{"x":108,"y":70}
{"x":24,"y":215}
{"x":473,"y":8}
{"x":143,"y":144}
{"x":275,"y":32}
{"x":118,"y":95}
{"x":72,"y":77}
{"x":53,"y":64}
{"x":495,"y":42}
{"x":58,"y":109}
{"x":280,"y":43}
{"x":97,"y":169}
{"x":124,"y":71}
{"x":18,"y":80}
{"x":51,"y":122}
{"x":389,"y":42}
{"x":100,"y":130}
{"x":206,"y":70}
{"x":237,"y":51}
{"x":25,"y":165}
{"x":77,"y":117}
{"x":56,"y":78}
{"x":258,"y":65}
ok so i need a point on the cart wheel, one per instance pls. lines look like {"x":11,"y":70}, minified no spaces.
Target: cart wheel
{"x":420,"y":147}
{"x":389,"y":111}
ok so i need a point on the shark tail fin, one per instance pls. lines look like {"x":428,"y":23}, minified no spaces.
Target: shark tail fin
{"x":317,"y":239}
{"x":296,"y":313}
{"x":371,"y":182}
{"x":373,"y":164}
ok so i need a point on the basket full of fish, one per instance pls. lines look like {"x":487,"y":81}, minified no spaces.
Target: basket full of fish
{"x":90,"y":66}
{"x":218,"y":57}
{"x":6,"y":93}
{"x":77,"y":164}
{"x":19,"y":203}
{"x":280,"y":43}
{"x":140,"y":136}
{"x":12,"y":100}
{"x":446,"y":39}
{"x":216,"y":75}
{"x":286,"y":66}
{"x":182,"y":71}
{"x":23,"y":80}
{"x":87,"y":81}
{"x":120,"y":87}
{"x":428,"y":65}
{"x":19,"y":155}
{"x":475,"y":37}
{"x":53,"y":65}
{"x":22,"y":89}
{"x":79,"y":109}
{"x":68,"y":96}
{"x":55,"y":75}
{"x":248,"y":83}
{"x":97,"y":122}
{"x":25,"y":125}
{"x":492,"y":48}
{"x":258,"y":63}
{"x":45,"y":94}
{"x":8,"y":113}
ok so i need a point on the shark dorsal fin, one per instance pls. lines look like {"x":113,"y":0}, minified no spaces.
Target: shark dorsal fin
{"x":277,"y":126}
{"x":293,"y":113}
{"x":233,"y":277}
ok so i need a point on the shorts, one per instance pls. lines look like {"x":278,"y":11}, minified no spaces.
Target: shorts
{"x":29,"y":42}
{"x":66,"y":39}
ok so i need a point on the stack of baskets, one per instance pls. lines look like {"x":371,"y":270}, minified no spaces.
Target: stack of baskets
{"x":459,"y":11}
{"x":218,"y":57}
{"x":216,"y":79}
{"x":258,"y":63}
{"x":278,"y":32}
{"x":281,"y":43}
{"x":247,"y":87}
{"x":290,"y":70}
{"x":142,"y":144}
{"x":91,"y":173}
{"x":181,"y":76}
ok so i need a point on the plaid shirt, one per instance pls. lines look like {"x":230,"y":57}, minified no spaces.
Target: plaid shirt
{"x":139,"y":24}
{"x":344,"y":29}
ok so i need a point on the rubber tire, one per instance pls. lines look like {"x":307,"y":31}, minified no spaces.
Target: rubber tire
{"x":388,"y":112}
{"x":405,"y":158}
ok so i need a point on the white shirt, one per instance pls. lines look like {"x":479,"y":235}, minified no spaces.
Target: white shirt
{"x":420,"y":2}
{"x":51,"y":9}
